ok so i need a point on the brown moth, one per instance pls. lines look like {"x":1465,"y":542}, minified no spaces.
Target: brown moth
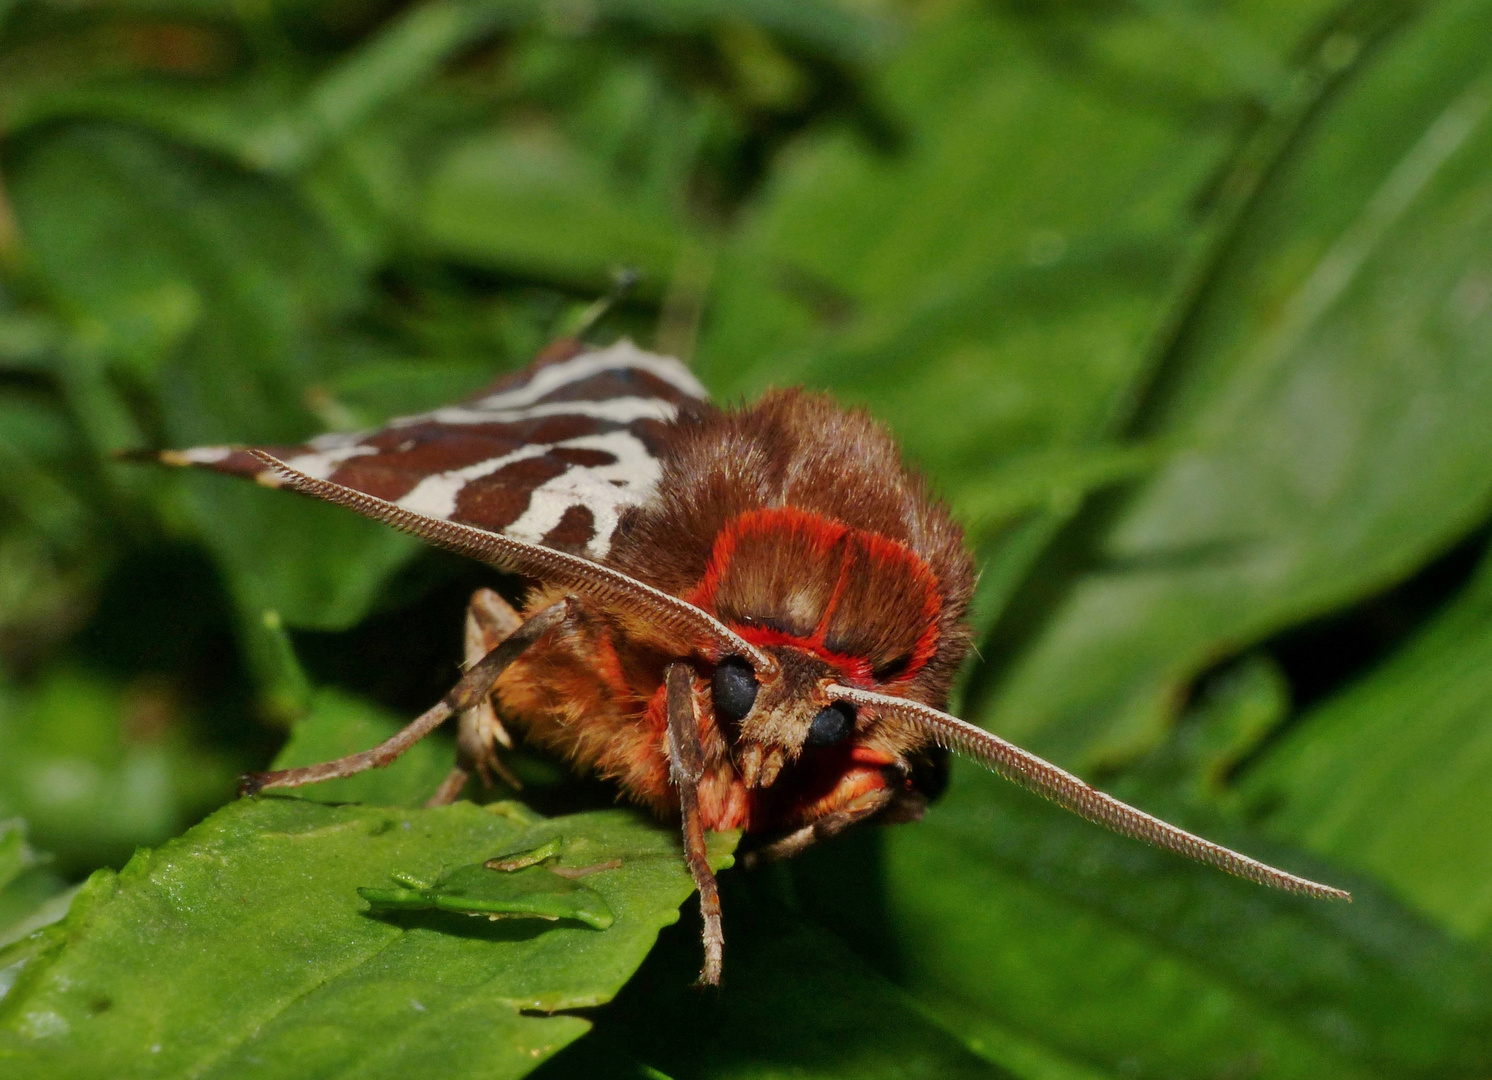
{"x":747,"y":618}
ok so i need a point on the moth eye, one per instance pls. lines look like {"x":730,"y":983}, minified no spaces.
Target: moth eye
{"x":831,"y":725}
{"x":734,"y":688}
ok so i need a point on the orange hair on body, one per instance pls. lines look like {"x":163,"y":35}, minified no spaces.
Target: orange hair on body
{"x":771,"y":571}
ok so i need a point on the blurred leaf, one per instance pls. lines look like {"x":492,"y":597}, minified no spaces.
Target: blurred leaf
{"x":150,"y":250}
{"x":213,"y":288}
{"x":406,"y":52}
{"x":51,"y":547}
{"x":228,"y":116}
{"x":318,"y":566}
{"x":1037,"y":936}
{"x":1332,"y":385}
{"x":377,"y":390}
{"x":337,"y":725}
{"x":32,"y":902}
{"x":989,"y":286}
{"x":1391,"y":775}
{"x":27,"y":340}
{"x":835,"y":30}
{"x":26,"y":886}
{"x":16,"y":856}
{"x":1060,"y":477}
{"x":97,"y":769}
{"x":524,"y":201}
{"x":35,"y":443}
{"x":1233,"y":713}
{"x":242,"y":949}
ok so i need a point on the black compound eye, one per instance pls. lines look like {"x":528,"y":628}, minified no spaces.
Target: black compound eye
{"x":831,"y":725}
{"x":734,"y":689}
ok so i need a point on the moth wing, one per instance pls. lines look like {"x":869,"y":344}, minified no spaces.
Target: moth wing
{"x":551,"y":455}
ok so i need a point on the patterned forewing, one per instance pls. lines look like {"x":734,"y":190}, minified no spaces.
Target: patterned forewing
{"x":550,"y":455}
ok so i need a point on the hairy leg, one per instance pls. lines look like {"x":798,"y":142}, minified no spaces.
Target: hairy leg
{"x":473,"y":688}
{"x":490,"y":620}
{"x":687,"y":761}
{"x":800,"y":840}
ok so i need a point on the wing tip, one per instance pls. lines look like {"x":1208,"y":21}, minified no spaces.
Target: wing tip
{"x":181,"y":459}
{"x":196,"y":455}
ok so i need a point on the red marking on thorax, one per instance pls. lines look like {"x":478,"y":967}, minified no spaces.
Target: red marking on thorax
{"x":874,"y":550}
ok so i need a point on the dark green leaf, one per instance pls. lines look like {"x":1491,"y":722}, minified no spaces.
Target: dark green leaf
{"x":1333,"y":386}
{"x":15,"y":855}
{"x":794,"y":1002}
{"x":1391,"y":776}
{"x":1040,"y":938}
{"x":218,"y":308}
{"x":989,"y":316}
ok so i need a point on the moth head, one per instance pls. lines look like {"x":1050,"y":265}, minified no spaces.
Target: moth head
{"x":776,"y":719}
{"x":825,"y":603}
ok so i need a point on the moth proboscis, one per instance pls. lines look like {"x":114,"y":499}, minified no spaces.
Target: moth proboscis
{"x":747,"y":618}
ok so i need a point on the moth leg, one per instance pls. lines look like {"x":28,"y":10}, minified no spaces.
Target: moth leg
{"x":687,"y":762}
{"x":474,"y":686}
{"x":830,"y":825}
{"x":490,"y":620}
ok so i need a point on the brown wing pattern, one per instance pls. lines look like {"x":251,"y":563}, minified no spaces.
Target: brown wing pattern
{"x":550,"y":455}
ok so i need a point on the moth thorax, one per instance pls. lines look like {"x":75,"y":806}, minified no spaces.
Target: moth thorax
{"x":863,"y":603}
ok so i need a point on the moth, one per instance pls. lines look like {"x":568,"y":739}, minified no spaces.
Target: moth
{"x":748,"y":618}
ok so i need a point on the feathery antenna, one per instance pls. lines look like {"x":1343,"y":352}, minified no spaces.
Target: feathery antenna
{"x":546,"y":564}
{"x":1067,"y":791}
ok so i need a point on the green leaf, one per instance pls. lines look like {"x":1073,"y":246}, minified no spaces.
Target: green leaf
{"x":534,"y":892}
{"x":243,"y":949}
{"x":316,"y":566}
{"x":987,"y":288}
{"x":1049,"y":944}
{"x":527,"y":202}
{"x":212,"y":288}
{"x":794,"y":1002}
{"x":29,"y":891}
{"x":216,"y":257}
{"x":1332,"y":388}
{"x":90,"y":788}
{"x":15,"y":855}
{"x":339,"y":724}
{"x":1391,"y":775}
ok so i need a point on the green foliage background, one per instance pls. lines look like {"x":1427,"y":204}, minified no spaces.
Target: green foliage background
{"x":1186,"y":305}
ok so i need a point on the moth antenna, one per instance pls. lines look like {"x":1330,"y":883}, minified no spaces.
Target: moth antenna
{"x":1067,"y":791}
{"x":545,"y":564}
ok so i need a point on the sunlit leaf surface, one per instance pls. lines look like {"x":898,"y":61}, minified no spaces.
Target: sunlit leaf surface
{"x":243,"y":948}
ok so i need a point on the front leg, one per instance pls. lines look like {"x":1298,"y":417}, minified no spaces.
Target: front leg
{"x":830,"y":825}
{"x":473,"y":688}
{"x":490,"y":620}
{"x":687,"y":760}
